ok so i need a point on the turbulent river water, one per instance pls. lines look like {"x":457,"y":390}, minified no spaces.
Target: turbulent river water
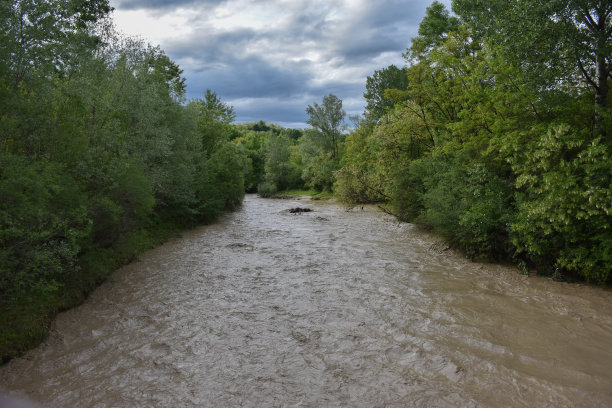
{"x":328,"y":308}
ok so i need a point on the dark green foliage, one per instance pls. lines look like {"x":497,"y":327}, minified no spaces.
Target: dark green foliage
{"x":227,"y":165}
{"x":274,"y":160}
{"x":377,"y":97}
{"x":267,"y":189}
{"x":253,"y":143}
{"x":99,"y":158}
{"x":462,"y":200}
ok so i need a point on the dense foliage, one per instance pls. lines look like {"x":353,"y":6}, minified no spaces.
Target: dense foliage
{"x":501,"y":139}
{"x":287,"y":159}
{"x":100,"y":158}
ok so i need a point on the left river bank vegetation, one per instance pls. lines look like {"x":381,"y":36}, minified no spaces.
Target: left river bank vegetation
{"x":496,"y":135}
{"x":101,"y":157}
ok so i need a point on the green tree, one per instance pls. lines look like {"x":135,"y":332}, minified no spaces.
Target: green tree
{"x":556,"y":42}
{"x":378,"y":100}
{"x":321,"y":145}
{"x":328,"y":120}
{"x":433,"y":29}
{"x":99,"y":158}
{"x":214,"y":119}
{"x":361,"y":178}
{"x":228,"y":165}
{"x":281,"y":172}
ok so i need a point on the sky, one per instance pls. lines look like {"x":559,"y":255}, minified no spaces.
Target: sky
{"x":270,"y":59}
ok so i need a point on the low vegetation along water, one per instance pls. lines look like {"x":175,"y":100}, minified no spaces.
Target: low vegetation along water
{"x":329,"y":307}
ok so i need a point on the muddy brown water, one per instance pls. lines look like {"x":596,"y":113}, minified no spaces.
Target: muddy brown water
{"x":327,"y":308}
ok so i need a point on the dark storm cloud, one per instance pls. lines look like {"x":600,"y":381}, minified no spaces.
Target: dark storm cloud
{"x":209,"y":47}
{"x":222,"y":62}
{"x":306,"y":50}
{"x":253,"y":77}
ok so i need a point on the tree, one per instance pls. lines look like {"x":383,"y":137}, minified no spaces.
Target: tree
{"x":328,"y":120}
{"x":433,"y":29}
{"x":44,"y":35}
{"x":214,"y":119}
{"x":99,"y":158}
{"x":377,"y":87}
{"x":556,"y":42}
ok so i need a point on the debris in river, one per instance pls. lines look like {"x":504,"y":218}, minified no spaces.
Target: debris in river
{"x":299,"y":210}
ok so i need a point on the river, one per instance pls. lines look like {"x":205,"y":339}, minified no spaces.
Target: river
{"x":266,"y":308}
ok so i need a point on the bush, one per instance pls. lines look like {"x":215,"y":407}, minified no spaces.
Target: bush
{"x":319,"y":172}
{"x":564,"y":199}
{"x":459,"y":198}
{"x":266,"y":189}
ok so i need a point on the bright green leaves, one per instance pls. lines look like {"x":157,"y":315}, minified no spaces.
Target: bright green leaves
{"x":554,"y":42}
{"x":565,"y":203}
{"x":361,"y":179}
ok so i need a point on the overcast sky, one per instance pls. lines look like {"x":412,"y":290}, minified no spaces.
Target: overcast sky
{"x":272,"y":58}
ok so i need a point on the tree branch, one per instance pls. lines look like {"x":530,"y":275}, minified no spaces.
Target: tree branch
{"x":590,"y":22}
{"x":586,"y":74}
{"x":383,"y":209}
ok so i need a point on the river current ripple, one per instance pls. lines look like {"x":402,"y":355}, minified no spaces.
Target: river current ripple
{"x":329,"y":308}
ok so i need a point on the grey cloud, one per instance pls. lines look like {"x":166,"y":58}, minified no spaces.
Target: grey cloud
{"x":287,"y":112}
{"x":382,"y":27}
{"x":267,"y":71}
{"x":209,"y":47}
{"x":253,"y":77}
{"x":389,"y":12}
{"x":370,"y":47}
{"x":164,"y":4}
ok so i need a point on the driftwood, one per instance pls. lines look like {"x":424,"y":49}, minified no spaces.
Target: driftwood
{"x":299,"y":210}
